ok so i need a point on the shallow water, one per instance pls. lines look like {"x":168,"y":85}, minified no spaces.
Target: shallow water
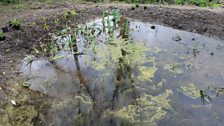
{"x":152,"y":77}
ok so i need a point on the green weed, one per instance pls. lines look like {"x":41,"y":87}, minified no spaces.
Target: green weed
{"x":15,"y":22}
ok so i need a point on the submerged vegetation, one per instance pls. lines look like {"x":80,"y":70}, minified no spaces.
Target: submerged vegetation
{"x":190,"y":91}
{"x":146,"y":111}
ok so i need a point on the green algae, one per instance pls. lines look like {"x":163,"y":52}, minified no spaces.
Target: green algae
{"x":147,"y":73}
{"x":18,"y":116}
{"x":24,"y":107}
{"x":79,"y":100}
{"x":132,"y":53}
{"x":112,"y":53}
{"x":147,"y":110}
{"x":161,"y":83}
{"x":136,"y":54}
{"x":73,"y":110}
{"x":190,"y":91}
{"x":174,"y":68}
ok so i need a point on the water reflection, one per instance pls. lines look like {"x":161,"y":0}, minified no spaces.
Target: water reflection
{"x":152,"y":78}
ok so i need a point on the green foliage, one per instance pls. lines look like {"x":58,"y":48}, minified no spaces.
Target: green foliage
{"x":214,"y":4}
{"x":180,"y":2}
{"x":15,"y":22}
{"x":116,"y":15}
{"x":9,"y":1}
{"x":73,"y":13}
{"x":126,"y":26}
{"x":201,"y":3}
{"x":2,"y":35}
{"x":103,"y":20}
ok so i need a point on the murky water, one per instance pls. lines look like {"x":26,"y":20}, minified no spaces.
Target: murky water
{"x":151,"y":76}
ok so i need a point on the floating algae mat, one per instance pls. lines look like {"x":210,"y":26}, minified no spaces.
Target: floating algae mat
{"x":130,"y":74}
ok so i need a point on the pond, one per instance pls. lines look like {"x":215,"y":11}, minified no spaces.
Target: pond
{"x":133,"y":73}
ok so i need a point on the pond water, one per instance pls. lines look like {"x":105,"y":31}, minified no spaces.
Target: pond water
{"x":150,"y":76}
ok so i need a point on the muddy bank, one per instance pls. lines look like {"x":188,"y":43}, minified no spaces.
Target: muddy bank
{"x":18,"y":43}
{"x":192,"y":20}
{"x":21,"y":42}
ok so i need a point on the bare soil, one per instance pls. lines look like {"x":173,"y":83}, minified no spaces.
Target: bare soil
{"x":18,"y":43}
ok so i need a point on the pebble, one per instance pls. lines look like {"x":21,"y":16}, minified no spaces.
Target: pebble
{"x":13,"y":102}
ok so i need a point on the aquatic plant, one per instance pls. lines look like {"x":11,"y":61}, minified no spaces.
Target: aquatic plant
{"x":147,"y":73}
{"x":109,"y":24}
{"x":205,"y":96}
{"x":57,"y":57}
{"x":126,"y":27}
{"x":116,"y":16}
{"x":147,"y":110}
{"x":175,"y":68}
{"x":190,"y":91}
{"x":103,"y":20}
{"x":72,"y":40}
{"x":111,"y":37}
{"x":50,"y":48}
{"x":80,"y":107}
{"x":195,"y":49}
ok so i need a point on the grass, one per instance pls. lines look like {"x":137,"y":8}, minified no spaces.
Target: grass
{"x":21,"y":5}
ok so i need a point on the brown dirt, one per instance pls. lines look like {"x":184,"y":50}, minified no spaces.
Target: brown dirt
{"x":18,"y":43}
